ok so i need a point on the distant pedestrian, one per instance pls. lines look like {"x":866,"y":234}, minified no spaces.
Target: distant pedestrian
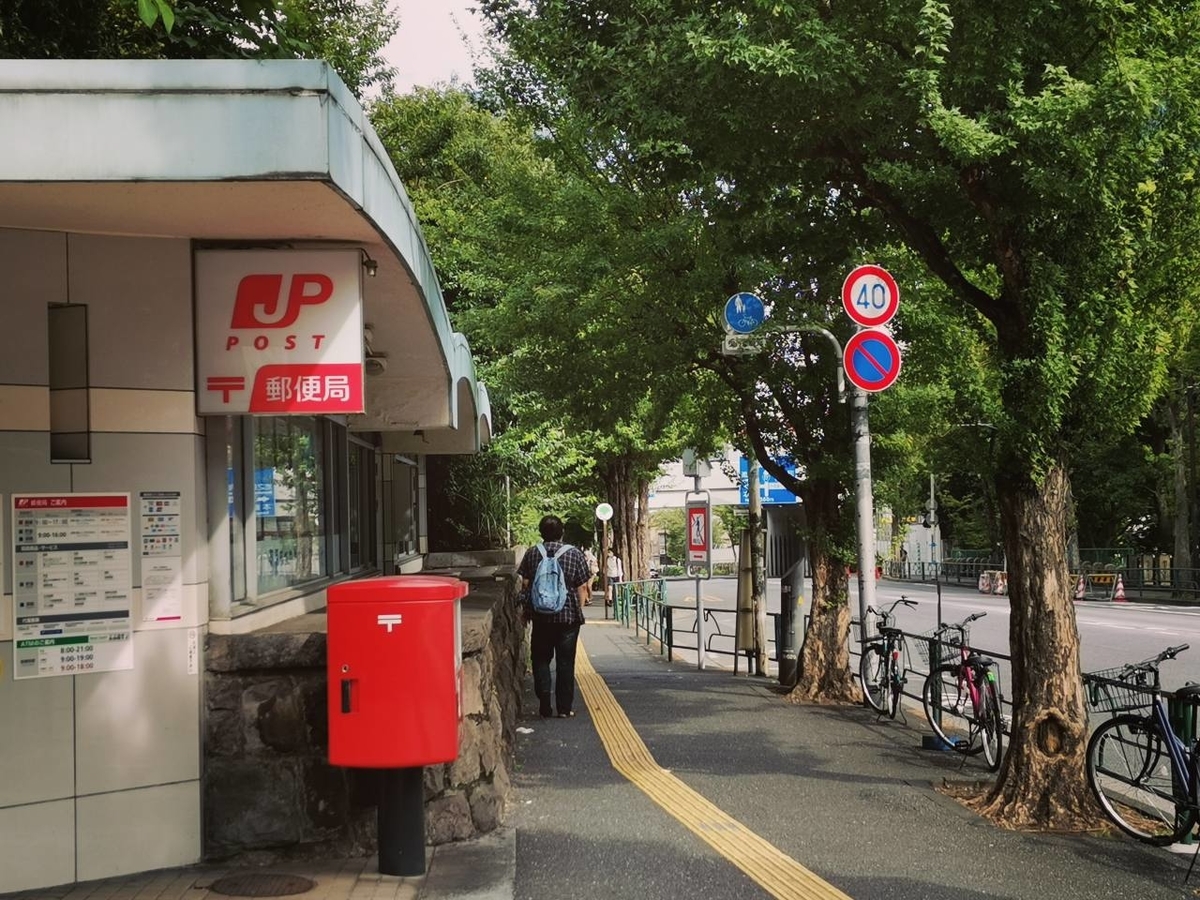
{"x":593,"y":570}
{"x":614,"y":572}
{"x":555,"y":635}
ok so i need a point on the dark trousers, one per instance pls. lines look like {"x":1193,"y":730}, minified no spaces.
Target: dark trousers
{"x":554,"y":640}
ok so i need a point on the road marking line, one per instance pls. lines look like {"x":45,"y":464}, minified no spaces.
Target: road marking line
{"x":775,"y":871}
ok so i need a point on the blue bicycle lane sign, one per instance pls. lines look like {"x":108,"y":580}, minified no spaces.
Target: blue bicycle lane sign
{"x":744,"y":312}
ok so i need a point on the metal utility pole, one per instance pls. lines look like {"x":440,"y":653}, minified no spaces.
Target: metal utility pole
{"x":699,"y":600}
{"x":758,"y":568}
{"x":864,"y":504}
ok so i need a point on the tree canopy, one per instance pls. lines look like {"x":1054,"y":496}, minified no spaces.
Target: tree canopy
{"x":1038,"y":160}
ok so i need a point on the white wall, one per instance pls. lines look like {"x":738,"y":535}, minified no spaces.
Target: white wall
{"x":101,"y":772}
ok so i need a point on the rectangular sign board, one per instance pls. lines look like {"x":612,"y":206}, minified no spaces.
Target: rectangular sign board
{"x":699,"y":533}
{"x":769,"y":488}
{"x":279,"y":332}
{"x":743,"y":344}
{"x":72,"y":584}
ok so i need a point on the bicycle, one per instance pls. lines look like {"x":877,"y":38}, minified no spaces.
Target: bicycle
{"x":1145,"y":778}
{"x":881,"y":670}
{"x":961,"y":695}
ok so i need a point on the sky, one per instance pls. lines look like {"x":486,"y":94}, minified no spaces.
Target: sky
{"x":434,"y":43}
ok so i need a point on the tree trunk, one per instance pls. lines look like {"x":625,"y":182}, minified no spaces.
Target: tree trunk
{"x":825,"y":658}
{"x":641,"y":533}
{"x":1182,"y":561}
{"x":630,"y":499}
{"x":1041,"y":781}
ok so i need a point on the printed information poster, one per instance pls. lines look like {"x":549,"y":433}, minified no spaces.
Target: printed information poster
{"x":162,"y":560}
{"x":72,"y":584}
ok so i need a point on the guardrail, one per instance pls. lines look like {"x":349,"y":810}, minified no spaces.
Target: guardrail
{"x":642,"y":605}
{"x":952,"y":571}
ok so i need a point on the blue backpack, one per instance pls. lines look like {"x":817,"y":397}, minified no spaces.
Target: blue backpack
{"x":548,"y":590}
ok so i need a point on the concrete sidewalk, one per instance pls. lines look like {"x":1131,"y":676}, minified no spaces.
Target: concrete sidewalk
{"x":846,"y":799}
{"x":849,"y":796}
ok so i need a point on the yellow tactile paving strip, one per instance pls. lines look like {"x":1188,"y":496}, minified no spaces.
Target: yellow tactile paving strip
{"x":776,"y":872}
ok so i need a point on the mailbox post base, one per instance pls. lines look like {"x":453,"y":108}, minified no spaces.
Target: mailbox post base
{"x":402,"y":821}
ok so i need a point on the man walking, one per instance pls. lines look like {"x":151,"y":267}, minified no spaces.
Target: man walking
{"x":555,"y":635}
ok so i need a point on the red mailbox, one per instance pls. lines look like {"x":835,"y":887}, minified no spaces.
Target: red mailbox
{"x":395,"y":671}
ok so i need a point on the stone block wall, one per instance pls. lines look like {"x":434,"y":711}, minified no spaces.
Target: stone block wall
{"x":269,"y":792}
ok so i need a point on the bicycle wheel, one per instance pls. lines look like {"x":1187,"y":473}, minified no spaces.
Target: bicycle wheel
{"x":947,"y":705}
{"x":895,"y":676}
{"x":991,"y":723}
{"x":1130,"y":773}
{"x":872,"y":673}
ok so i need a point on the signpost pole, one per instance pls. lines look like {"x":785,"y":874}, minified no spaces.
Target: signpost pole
{"x":864,"y":507}
{"x":699,"y":604}
{"x":604,"y":512}
{"x":757,"y":562}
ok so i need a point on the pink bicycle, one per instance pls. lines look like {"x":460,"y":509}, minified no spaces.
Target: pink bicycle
{"x":962,"y":693}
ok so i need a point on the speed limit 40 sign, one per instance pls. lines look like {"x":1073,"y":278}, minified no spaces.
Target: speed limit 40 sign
{"x":870,"y":296}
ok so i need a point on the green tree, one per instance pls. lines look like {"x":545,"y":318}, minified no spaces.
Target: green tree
{"x":349,"y":34}
{"x":1038,"y":158}
{"x":555,"y":270}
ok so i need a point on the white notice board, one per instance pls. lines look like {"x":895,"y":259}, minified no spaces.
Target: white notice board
{"x":162,"y":556}
{"x":72,"y":584}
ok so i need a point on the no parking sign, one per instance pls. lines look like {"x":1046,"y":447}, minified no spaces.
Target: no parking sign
{"x":872,"y":360}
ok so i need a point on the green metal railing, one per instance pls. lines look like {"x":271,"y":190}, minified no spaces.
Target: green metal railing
{"x":643,"y":604}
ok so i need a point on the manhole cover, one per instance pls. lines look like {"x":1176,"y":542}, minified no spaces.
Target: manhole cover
{"x":262,"y":884}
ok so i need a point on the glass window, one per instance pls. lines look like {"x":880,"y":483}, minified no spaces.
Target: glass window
{"x":233,"y":465}
{"x":362,"y":514}
{"x":289,"y":493}
{"x":404,"y":507}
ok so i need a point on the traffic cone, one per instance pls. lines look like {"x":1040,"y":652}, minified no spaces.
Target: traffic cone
{"x":1119,"y":594}
{"x":1079,"y":589}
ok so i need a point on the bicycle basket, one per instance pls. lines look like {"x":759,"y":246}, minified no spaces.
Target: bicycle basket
{"x":949,"y":641}
{"x":875,"y":621}
{"x":1115,"y":690}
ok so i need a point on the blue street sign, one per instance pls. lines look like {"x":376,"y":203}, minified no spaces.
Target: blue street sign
{"x":264,"y":492}
{"x":872,"y":360}
{"x":744,"y":312}
{"x":769,"y":488}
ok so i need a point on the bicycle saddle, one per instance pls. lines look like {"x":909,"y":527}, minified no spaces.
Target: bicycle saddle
{"x":978,"y":659}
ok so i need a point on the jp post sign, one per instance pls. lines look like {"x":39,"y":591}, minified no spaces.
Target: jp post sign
{"x":279,"y":332}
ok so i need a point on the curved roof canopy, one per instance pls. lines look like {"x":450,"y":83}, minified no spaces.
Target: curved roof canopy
{"x":270,"y":154}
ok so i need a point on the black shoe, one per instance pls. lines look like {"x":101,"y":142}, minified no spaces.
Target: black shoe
{"x":547,"y":713}
{"x":569,"y":714}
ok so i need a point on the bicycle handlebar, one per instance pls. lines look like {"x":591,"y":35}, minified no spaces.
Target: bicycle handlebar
{"x":1151,"y":664}
{"x":1172,"y":652}
{"x":946,"y":626}
{"x":880,"y":611}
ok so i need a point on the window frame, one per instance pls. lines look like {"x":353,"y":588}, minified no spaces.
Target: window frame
{"x":234,"y":577}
